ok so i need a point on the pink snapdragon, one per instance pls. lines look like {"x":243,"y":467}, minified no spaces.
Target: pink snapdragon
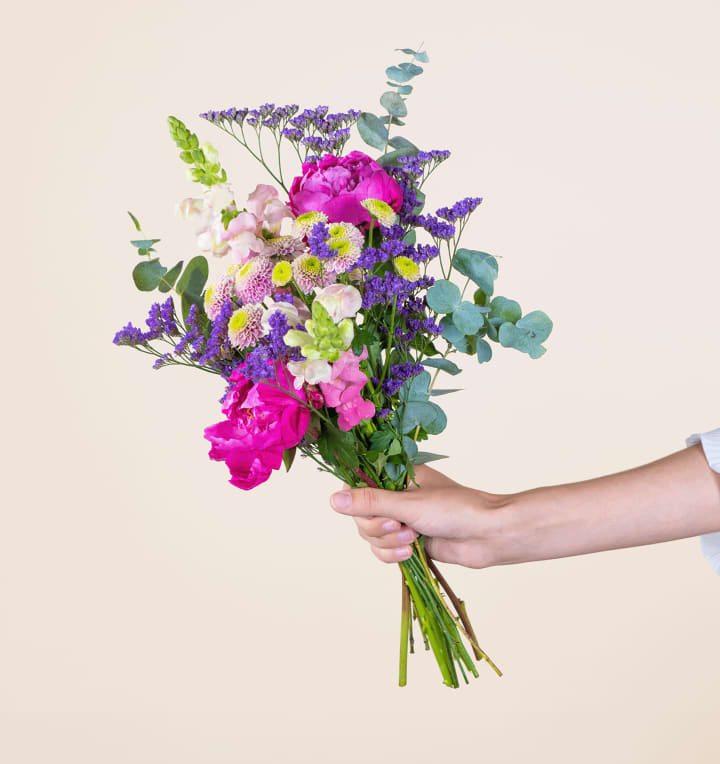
{"x":343,"y":390}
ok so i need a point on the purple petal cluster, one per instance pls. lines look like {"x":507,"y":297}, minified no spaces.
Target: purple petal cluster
{"x":460,"y":209}
{"x":399,"y":374}
{"x":389,"y":286}
{"x":260,"y":363}
{"x":160,"y":322}
{"x":317,"y":241}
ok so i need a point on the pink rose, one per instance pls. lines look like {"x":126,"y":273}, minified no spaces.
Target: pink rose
{"x":337,"y":185}
{"x":343,"y":391}
{"x":262,"y":421}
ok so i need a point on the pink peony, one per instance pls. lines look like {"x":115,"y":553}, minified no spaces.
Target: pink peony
{"x":262,"y":421}
{"x":343,"y":391}
{"x":337,"y":185}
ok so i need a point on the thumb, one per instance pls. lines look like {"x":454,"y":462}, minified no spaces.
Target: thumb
{"x":371,"y":502}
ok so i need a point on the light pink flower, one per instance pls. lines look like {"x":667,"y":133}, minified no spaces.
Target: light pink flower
{"x":343,"y":391}
{"x":340,"y":301}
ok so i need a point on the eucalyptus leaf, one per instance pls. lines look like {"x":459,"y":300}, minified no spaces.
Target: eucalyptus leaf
{"x":480,"y":267}
{"x":396,"y":74}
{"x":415,"y":414}
{"x":135,"y":221}
{"x":444,"y":391}
{"x":443,"y":296}
{"x":193,"y":279}
{"x":394,"y":104}
{"x":168,"y":280}
{"x":145,"y":244}
{"x":372,"y":130}
{"x":423,"y":457}
{"x":438,"y":424}
{"x":404,"y":89}
{"x":147,"y":275}
{"x":412,"y":69}
{"x":442,"y":363}
{"x":468,"y":317}
{"x":421,"y":55}
{"x":453,"y":335}
{"x":386,"y":160}
{"x":484,"y":351}
{"x":528,"y":334}
{"x":410,"y":446}
{"x":398,"y":142}
{"x":508,"y":310}
{"x":394,"y":471}
{"x":381,"y":440}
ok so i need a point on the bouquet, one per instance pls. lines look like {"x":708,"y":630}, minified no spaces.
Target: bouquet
{"x":337,"y":303}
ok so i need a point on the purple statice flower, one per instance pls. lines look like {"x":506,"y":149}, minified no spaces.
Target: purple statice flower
{"x":129,"y":335}
{"x":283,"y":297}
{"x":261,"y":361}
{"x":292,"y":134}
{"x":216,"y":350}
{"x":383,"y":413}
{"x":162,"y":361}
{"x":390,"y":286}
{"x":460,"y":209}
{"x":317,"y":241}
{"x":167,"y":316}
{"x":398,"y":375}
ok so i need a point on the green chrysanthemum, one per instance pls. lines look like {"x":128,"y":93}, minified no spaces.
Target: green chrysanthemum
{"x":381,"y":211}
{"x":282,"y":273}
{"x":406,"y":268}
{"x":302,"y":225}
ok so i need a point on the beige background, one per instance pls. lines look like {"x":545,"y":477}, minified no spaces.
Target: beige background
{"x":153,"y":613}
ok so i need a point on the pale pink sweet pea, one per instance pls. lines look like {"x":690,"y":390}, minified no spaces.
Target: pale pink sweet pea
{"x":242,"y":237}
{"x":340,"y":301}
{"x":343,"y":391}
{"x":261,"y":422}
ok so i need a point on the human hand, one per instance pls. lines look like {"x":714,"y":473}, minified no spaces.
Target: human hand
{"x":461,"y":523}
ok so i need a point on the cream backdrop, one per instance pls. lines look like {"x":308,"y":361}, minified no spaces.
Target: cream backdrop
{"x":152,"y":613}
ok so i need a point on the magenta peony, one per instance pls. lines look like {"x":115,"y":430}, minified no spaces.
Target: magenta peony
{"x":343,"y":391}
{"x":337,"y":185}
{"x":262,"y":421}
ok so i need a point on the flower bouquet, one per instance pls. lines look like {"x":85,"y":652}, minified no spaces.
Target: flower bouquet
{"x":335,"y":301}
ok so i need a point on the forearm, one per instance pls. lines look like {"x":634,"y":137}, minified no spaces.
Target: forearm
{"x":675,"y":497}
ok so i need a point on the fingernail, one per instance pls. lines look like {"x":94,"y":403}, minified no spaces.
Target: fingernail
{"x":390,"y":525}
{"x":406,"y":536}
{"x":341,"y":501}
{"x":404,"y":553}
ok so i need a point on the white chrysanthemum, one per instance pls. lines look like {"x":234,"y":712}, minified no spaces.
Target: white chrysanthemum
{"x":302,"y":225}
{"x":218,"y":294}
{"x":245,"y":326}
{"x":284,"y":246}
{"x":346,"y":231}
{"x":346,"y":254}
{"x":253,"y":280}
{"x":309,"y":273}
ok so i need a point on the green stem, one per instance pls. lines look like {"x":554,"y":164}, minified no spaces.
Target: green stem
{"x":404,"y":631}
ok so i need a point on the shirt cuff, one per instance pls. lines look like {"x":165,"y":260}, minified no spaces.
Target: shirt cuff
{"x":710,"y":442}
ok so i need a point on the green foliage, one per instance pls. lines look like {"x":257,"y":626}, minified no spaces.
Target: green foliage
{"x":453,"y":335}
{"x":193,"y":280}
{"x":394,"y":104}
{"x":147,"y":275}
{"x":372,"y":130}
{"x":528,"y":334}
{"x":479,"y":267}
{"x":443,"y":296}
{"x":418,"y":55}
{"x":444,"y":391}
{"x":381,"y":440}
{"x":167,"y":281}
{"x":442,"y":363}
{"x":423,"y":457}
{"x":484,"y":351}
{"x":134,"y":220}
{"x":289,"y":457}
{"x":144,"y":246}
{"x":337,"y":446}
{"x":508,"y":310}
{"x":205,"y":169}
{"x":468,"y":317}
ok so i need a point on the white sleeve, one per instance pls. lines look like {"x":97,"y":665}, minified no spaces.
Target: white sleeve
{"x":711,"y":446}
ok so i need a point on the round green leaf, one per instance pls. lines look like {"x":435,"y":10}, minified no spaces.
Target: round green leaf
{"x":146,"y":275}
{"x":508,"y":310}
{"x":453,"y":335}
{"x":480,"y":267}
{"x":468,"y":317}
{"x":394,"y":104}
{"x":372,"y":130}
{"x":193,"y":279}
{"x":396,"y":74}
{"x":443,"y":296}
